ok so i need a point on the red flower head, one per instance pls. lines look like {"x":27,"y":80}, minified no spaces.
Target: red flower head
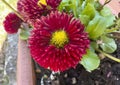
{"x":58,"y":41}
{"x":53,"y":3}
{"x":12,"y":23}
{"x":33,"y":9}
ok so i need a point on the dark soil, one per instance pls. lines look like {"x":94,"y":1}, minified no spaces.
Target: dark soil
{"x":108,"y":73}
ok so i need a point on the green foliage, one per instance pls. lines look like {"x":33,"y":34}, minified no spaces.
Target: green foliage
{"x":90,"y":61}
{"x":74,"y":6}
{"x":118,"y":22}
{"x":105,"y":11}
{"x":108,"y":45}
{"x":96,"y":20}
{"x":98,"y":25}
{"x":24,"y":34}
{"x":115,"y":27}
{"x":89,"y":10}
{"x":84,"y":19}
{"x":87,"y":14}
{"x":5,"y":80}
{"x":94,"y":45}
{"x":89,"y":1}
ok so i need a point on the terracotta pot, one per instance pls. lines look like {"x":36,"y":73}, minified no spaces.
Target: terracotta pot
{"x":25,"y":73}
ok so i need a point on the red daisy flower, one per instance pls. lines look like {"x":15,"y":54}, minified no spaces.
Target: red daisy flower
{"x":53,"y":3}
{"x":12,"y":23}
{"x":33,"y":9}
{"x":58,"y":41}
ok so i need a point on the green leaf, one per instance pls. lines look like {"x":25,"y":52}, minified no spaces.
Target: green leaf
{"x":84,"y":19}
{"x":5,"y":80}
{"x":118,"y":22}
{"x":79,"y":2}
{"x":73,"y":6}
{"x":92,"y":24}
{"x":90,"y":61}
{"x":97,"y":5}
{"x":89,"y":10}
{"x":108,"y":44}
{"x":105,"y":11}
{"x":89,"y":1}
{"x":98,"y":25}
{"x":65,"y":5}
{"x":99,"y":29}
{"x":110,"y":20}
{"x":24,"y":34}
{"x":94,"y":45}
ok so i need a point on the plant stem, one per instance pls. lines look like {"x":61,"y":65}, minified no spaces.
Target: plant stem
{"x":7,"y":4}
{"x":109,"y":56}
{"x":106,"y":2}
{"x":112,"y":30}
{"x":116,"y":37}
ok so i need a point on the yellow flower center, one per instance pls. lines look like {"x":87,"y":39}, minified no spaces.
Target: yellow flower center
{"x":59,"y":38}
{"x":42,"y":2}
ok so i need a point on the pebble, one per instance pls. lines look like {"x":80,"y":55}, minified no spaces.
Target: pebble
{"x":74,"y":81}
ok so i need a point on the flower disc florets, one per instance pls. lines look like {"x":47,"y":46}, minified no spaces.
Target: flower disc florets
{"x":58,"y":41}
{"x":59,"y":38}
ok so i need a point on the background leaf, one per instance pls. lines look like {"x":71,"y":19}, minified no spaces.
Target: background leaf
{"x":98,"y":25}
{"x":108,"y":44}
{"x":84,"y":19}
{"x":90,"y":61}
{"x":105,"y":11}
{"x":24,"y":34}
{"x":89,"y":10}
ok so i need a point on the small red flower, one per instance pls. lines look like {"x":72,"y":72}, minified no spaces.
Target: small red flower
{"x":31,"y":10}
{"x":58,"y":41}
{"x":12,"y":23}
